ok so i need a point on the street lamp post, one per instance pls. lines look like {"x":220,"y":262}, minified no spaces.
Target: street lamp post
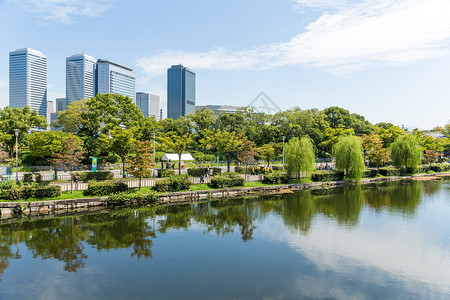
{"x":16,"y":133}
{"x":283,"y":148}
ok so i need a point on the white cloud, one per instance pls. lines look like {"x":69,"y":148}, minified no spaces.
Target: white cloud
{"x":65,"y":11}
{"x":342,"y":41}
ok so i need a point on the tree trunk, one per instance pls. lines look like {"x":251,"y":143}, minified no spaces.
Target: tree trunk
{"x":179,"y":163}
{"x":228,"y":162}
{"x":123,"y":168}
{"x":71,"y":183}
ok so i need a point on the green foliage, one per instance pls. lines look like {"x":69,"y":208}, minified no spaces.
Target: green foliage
{"x":349,"y":156}
{"x":96,"y":176}
{"x":325,"y":176}
{"x":203,"y":157}
{"x":105,"y":188}
{"x":23,"y":193}
{"x":197,"y":172}
{"x":224,"y":181}
{"x":28,"y":177}
{"x":227,"y":143}
{"x":390,"y":171}
{"x":165,"y":173}
{"x":132,"y":196}
{"x":6,"y":185}
{"x":440,"y":167}
{"x":370,"y":173}
{"x":406,"y":151}
{"x":299,"y":157}
{"x":173,"y":184}
{"x":276,"y":178}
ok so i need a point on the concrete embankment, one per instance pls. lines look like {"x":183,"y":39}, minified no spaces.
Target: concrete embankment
{"x":58,"y":207}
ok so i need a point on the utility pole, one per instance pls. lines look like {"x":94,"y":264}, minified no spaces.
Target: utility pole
{"x":16,"y":133}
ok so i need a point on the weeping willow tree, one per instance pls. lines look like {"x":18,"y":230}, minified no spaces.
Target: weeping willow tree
{"x":349,"y":155}
{"x":406,"y":151}
{"x":299,"y":157}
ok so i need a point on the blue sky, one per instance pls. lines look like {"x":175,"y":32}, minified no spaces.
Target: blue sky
{"x":388,"y":60}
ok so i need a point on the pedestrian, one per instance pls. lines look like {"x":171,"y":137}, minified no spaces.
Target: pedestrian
{"x":76,"y":179}
{"x":210,"y":172}
{"x":33,"y":177}
{"x":202,"y":179}
{"x":206,"y":172}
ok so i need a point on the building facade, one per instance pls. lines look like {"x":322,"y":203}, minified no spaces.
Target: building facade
{"x":148,"y":103}
{"x":180,"y":91}
{"x":217,"y":109}
{"x":115,"y":79}
{"x":80,"y":77}
{"x":28,"y":80}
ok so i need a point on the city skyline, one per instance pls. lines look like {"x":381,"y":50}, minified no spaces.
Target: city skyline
{"x":385,"y":59}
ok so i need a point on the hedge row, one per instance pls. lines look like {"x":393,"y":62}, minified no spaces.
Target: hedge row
{"x":165,"y":173}
{"x":23,"y":193}
{"x":327,"y":176}
{"x":97,"y":176}
{"x":106,"y":188}
{"x":197,"y":172}
{"x":223,"y":181}
{"x":28,"y":177}
{"x":173,"y":184}
{"x":123,"y":197}
{"x":276,"y":178}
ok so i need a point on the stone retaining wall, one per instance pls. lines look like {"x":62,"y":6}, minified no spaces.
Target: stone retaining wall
{"x":8,"y":209}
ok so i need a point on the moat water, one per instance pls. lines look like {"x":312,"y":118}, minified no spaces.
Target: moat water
{"x":383,"y":241}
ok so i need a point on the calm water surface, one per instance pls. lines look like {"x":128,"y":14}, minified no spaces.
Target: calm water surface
{"x":372,"y":242}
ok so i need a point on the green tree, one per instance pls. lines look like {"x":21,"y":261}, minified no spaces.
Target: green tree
{"x":349,"y":156}
{"x":373,"y":148}
{"x":266,"y":151}
{"x":140,"y":164}
{"x":18,"y":118}
{"x":337,"y":117}
{"x":178,"y":144}
{"x":247,"y":155}
{"x":406,"y":151}
{"x":69,"y":157}
{"x":388,"y":133}
{"x":120,"y":141}
{"x":300,"y":157}
{"x":227,"y":143}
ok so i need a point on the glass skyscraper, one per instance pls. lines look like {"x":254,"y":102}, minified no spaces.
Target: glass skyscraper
{"x":180,"y":91}
{"x":80,"y":77}
{"x":148,"y":103}
{"x":115,"y":79}
{"x":28,"y":80}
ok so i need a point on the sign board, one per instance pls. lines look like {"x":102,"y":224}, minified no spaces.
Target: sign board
{"x":94,"y":164}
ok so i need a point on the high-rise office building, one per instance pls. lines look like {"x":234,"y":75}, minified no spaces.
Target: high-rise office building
{"x":80,"y":77}
{"x":61,"y":104}
{"x":180,"y":91}
{"x":148,"y":103}
{"x":28,"y":80}
{"x":115,"y":79}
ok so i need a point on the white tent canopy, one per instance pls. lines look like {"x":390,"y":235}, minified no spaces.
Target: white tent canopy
{"x":174,"y":157}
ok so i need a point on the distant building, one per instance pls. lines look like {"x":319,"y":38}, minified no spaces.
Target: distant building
{"x":115,"y":79}
{"x":53,"y":117}
{"x":61,"y":104}
{"x":180,"y":91}
{"x":50,"y":110}
{"x":80,"y":77}
{"x":217,"y":109}
{"x":148,"y":103}
{"x":28,"y":80}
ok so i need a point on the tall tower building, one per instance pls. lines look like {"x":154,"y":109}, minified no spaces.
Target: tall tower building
{"x":28,"y":80}
{"x":115,"y":79}
{"x":180,"y":91}
{"x":148,"y":103}
{"x":80,"y":77}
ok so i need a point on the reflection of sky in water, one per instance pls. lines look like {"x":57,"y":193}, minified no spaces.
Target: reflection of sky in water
{"x":385,"y":255}
{"x":382,"y":248}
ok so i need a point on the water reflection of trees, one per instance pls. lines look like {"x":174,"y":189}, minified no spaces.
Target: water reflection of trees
{"x":65,"y":239}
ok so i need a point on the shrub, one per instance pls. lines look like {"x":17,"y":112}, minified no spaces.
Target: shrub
{"x":47,"y":191}
{"x":370,"y":173}
{"x":241,"y":170}
{"x":223,"y":181}
{"x":23,"y":193}
{"x":440,"y":167}
{"x":106,"y":188}
{"x":6,"y":185}
{"x":27,"y":177}
{"x":165,"y":173}
{"x":97,"y":176}
{"x":197,"y":172}
{"x":327,"y":176}
{"x":173,"y":184}
{"x":418,"y":169}
{"x":275,"y":178}
{"x":390,"y":171}
{"x":123,"y":197}
{"x":277,"y":168}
